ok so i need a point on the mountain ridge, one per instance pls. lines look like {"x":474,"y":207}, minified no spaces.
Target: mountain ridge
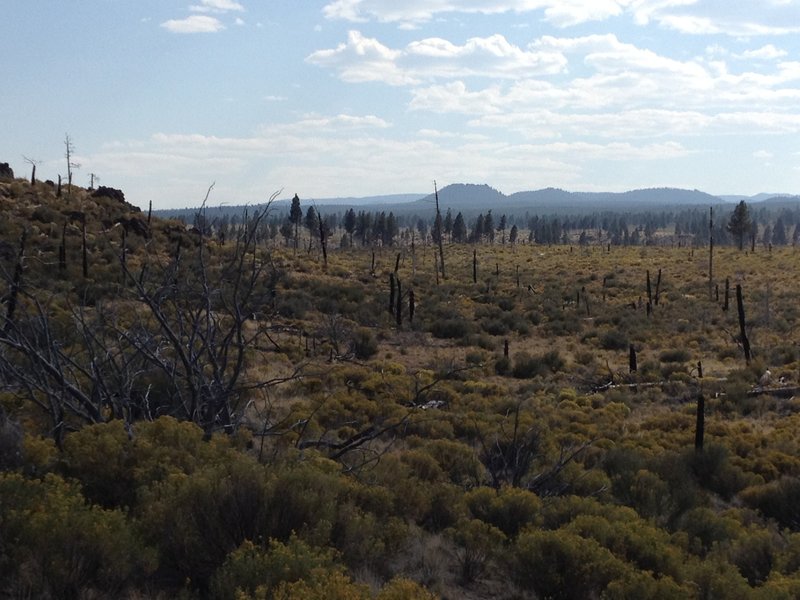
{"x":472,"y":197}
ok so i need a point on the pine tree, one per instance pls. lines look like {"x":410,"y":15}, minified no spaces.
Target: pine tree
{"x":350,"y":223}
{"x":740,"y":223}
{"x":459,"y":229}
{"x":296,"y":217}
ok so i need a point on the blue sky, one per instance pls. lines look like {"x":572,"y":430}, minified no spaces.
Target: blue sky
{"x":363,"y":97}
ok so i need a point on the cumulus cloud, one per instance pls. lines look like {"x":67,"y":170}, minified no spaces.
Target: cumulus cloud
{"x":193,"y":24}
{"x":366,"y":59}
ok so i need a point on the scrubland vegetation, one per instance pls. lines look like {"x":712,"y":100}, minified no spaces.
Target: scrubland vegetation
{"x":187,"y":416}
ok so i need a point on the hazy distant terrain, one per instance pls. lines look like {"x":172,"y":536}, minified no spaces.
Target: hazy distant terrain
{"x":474,"y":198}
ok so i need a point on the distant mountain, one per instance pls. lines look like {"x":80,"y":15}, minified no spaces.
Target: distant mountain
{"x":386,"y":202}
{"x":469,"y":197}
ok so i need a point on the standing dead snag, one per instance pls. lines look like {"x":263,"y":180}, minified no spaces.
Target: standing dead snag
{"x":474,"y":266}
{"x":70,"y":151}
{"x":438,"y":232}
{"x":323,"y":240}
{"x":83,"y":249}
{"x":16,"y":282}
{"x":632,"y":366}
{"x":700,"y":421}
{"x":658,"y":287}
{"x":411,"y":306}
{"x":32,"y":162}
{"x":710,"y":250}
{"x":742,"y":330}
{"x":399,"y":314}
{"x":391,"y":293}
{"x":62,"y":249}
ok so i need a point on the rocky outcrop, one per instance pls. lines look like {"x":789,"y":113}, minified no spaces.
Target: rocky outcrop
{"x":6,"y":172}
{"x":109,"y":192}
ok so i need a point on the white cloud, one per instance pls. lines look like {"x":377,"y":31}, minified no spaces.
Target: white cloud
{"x":216,"y":6}
{"x":560,"y":12}
{"x":239,"y":21}
{"x":362,"y":59}
{"x":767,"y":52}
{"x":763,"y":155}
{"x":694,"y":17}
{"x":193,"y":24}
{"x":366,"y":59}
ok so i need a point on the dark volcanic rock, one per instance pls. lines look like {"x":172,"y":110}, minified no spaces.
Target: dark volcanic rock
{"x":136,"y":226}
{"x":6,"y":172}
{"x":109,"y":192}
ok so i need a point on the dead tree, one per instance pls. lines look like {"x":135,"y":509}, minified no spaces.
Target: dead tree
{"x":710,"y":250}
{"x":323,"y":241}
{"x":399,"y":312}
{"x":438,"y":230}
{"x":185,"y":350}
{"x":68,"y":154}
{"x":16,"y":282}
{"x":742,"y":328}
{"x":84,"y":251}
{"x":658,"y":287}
{"x":632,"y":366}
{"x":391,"y":293}
{"x":700,"y":420}
{"x":411,"y":306}
{"x":32,"y":162}
{"x":62,"y":250}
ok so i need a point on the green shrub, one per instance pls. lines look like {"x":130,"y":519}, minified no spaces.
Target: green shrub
{"x":365,"y":345}
{"x":55,"y":545}
{"x":454,"y":328}
{"x":502,"y":365}
{"x":779,"y":500}
{"x":678,"y":355}
{"x":563,"y":566}
{"x":527,"y":366}
{"x":250,"y":567}
{"x":614,"y":340}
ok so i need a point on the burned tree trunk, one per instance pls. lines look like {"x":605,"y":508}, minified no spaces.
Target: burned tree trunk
{"x":399,"y":314}
{"x":439,"y":230}
{"x":632,"y":366}
{"x":411,"y":306}
{"x":699,"y":429}
{"x":16,"y":282}
{"x":710,"y":250}
{"x":323,"y":241}
{"x":742,"y":329}
{"x":391,"y":293}
{"x":658,"y":287}
{"x":62,"y":250}
{"x":83,"y":249}
{"x":474,"y":266}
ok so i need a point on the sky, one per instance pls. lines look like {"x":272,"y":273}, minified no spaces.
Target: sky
{"x":338,"y":98}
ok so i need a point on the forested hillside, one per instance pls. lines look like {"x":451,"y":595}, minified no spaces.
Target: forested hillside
{"x":284,"y":406}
